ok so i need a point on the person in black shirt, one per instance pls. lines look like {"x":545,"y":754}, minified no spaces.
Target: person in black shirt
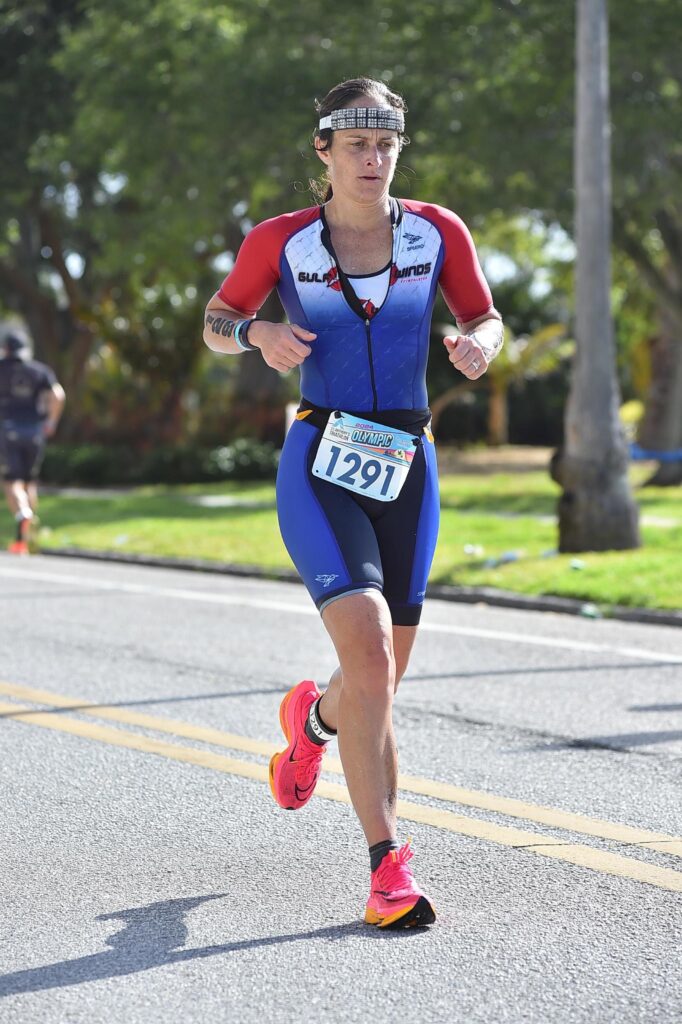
{"x":31,"y":403}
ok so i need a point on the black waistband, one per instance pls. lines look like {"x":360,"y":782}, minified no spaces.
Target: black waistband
{"x":411,"y":420}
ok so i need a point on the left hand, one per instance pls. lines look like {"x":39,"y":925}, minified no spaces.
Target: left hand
{"x":466,"y":355}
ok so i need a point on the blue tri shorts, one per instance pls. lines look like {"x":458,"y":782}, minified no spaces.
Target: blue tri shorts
{"x":342,"y":542}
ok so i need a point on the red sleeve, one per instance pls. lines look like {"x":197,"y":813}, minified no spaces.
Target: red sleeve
{"x":256,"y":269}
{"x":461,"y":280}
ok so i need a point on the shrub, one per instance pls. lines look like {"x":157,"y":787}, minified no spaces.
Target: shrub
{"x":96,"y":465}
{"x":244,"y":459}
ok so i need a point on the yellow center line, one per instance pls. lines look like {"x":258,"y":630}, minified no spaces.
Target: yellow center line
{"x":507,"y":806}
{"x":543,"y":846}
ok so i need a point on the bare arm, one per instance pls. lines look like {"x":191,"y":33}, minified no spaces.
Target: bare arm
{"x":282,"y":346}
{"x":219,"y":321}
{"x":56,"y":397}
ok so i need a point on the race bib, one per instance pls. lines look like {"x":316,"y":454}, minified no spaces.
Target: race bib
{"x":364,"y":457}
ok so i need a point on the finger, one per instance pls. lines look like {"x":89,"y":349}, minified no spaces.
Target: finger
{"x":463,"y":344}
{"x":301,"y":332}
{"x":298,"y":351}
{"x":462,"y":362}
{"x":472,"y":368}
{"x":472,"y":361}
{"x":464,"y":352}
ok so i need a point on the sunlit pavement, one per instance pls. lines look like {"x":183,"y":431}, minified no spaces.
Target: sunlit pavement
{"x":147,"y":875}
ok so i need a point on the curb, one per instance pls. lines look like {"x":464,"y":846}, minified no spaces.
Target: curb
{"x":464,"y":595}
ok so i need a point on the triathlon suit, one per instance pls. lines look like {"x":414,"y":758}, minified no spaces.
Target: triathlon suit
{"x":369,"y":358}
{"x":22,"y":443}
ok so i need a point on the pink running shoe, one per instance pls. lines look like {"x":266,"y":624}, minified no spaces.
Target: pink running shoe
{"x":394,"y":899}
{"x":294,"y":772}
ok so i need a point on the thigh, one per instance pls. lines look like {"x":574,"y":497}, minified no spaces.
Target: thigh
{"x":330,"y":539}
{"x":32,"y":454}
{"x":11,"y":457}
{"x":407,"y":534}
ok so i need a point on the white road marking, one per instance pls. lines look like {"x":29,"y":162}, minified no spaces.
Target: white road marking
{"x":205,"y":596}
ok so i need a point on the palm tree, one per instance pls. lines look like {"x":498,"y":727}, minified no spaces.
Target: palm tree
{"x":522,"y":357}
{"x":596,"y":509}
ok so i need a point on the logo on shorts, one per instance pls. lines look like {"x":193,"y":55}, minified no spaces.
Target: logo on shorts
{"x":325,"y":580}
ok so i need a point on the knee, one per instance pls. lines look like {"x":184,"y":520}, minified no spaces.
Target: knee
{"x":370,"y":670}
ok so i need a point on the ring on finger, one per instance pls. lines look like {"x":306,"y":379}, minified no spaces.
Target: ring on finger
{"x":476,"y":365}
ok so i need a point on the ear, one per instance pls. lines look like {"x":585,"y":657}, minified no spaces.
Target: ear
{"x":322,"y":153}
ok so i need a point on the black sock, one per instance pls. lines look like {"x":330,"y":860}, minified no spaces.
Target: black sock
{"x":316,"y":729}
{"x":379,"y":851}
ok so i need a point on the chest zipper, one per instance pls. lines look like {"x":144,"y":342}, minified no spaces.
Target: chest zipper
{"x":371,"y":366}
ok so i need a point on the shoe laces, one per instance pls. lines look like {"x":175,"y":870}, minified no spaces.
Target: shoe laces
{"x":393,"y":874}
{"x":308,"y":760}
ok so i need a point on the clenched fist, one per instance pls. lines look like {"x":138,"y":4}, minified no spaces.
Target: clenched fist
{"x":466,"y":355}
{"x":282,"y":346}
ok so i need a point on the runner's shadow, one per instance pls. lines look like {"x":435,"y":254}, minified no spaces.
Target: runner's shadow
{"x":151,"y":937}
{"x":621,"y":743}
{"x":655,"y":707}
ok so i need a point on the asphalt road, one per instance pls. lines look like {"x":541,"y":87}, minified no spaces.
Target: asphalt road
{"x":146,"y":874}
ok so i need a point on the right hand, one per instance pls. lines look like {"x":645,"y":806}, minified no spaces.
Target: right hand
{"x":282,"y":346}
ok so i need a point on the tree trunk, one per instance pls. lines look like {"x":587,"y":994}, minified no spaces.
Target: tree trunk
{"x":498,"y":413}
{"x":596,"y":510}
{"x":662,"y":425}
{"x":453,"y":394}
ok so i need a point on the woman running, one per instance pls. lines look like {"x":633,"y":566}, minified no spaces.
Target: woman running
{"x":357,"y":488}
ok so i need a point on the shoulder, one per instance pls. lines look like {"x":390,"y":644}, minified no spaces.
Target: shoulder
{"x":277,"y":230}
{"x":448,"y":221}
{"x":40,"y":370}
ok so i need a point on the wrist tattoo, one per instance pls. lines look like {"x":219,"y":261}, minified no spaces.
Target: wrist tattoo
{"x":220,"y":325}
{"x":492,"y":341}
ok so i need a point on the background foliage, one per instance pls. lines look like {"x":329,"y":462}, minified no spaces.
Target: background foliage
{"x":152,"y":136}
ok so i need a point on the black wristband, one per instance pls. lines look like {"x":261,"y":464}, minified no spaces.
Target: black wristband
{"x":242,"y":336}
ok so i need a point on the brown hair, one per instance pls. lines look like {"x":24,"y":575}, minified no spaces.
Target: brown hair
{"x":338,"y":98}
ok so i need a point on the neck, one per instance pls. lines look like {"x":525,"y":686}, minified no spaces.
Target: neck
{"x":343,"y":212}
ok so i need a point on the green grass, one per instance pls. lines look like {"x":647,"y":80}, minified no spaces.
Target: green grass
{"x":498,"y":513}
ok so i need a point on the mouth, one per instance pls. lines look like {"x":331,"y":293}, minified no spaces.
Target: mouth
{"x":369,"y":177}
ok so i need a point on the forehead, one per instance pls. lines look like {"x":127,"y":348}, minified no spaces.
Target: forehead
{"x":366,"y":133}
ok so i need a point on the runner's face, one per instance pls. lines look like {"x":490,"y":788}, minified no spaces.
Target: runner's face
{"x":361,"y":161}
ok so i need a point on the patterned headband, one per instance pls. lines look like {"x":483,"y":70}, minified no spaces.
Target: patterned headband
{"x":364,"y":117}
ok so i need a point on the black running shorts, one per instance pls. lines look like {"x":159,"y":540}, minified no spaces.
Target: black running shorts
{"x":21,"y":451}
